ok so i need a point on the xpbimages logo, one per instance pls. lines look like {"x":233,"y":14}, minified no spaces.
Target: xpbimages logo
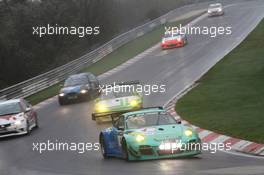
{"x":178,"y":145}
{"x":51,"y":146}
{"x":63,"y":30}
{"x":212,"y":31}
{"x":144,"y":89}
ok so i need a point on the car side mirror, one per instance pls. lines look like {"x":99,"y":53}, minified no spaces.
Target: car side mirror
{"x":179,"y":121}
{"x":28,"y":110}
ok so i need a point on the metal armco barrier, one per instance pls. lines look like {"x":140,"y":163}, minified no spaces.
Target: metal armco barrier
{"x":43,"y":81}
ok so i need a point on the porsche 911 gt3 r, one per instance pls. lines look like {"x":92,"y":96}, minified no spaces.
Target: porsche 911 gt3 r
{"x":215,"y":10}
{"x":17,"y":117}
{"x":171,"y":40}
{"x":117,"y":102}
{"x":150,"y":133}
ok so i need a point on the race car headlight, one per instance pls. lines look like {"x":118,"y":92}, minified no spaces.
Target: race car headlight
{"x":101,"y":107}
{"x":188,"y":132}
{"x":18,"y":122}
{"x":140,"y":138}
{"x":134,"y":103}
{"x":61,"y":94}
{"x":179,"y":39}
{"x":84,"y":91}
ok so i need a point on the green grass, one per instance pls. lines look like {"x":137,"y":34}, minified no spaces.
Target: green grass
{"x":115,"y":58}
{"x":230,"y":97}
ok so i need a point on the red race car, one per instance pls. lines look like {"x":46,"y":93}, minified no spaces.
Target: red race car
{"x":173,"y":40}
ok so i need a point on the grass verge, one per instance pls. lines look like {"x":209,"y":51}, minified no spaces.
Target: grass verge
{"x":115,"y":58}
{"x":229,"y":98}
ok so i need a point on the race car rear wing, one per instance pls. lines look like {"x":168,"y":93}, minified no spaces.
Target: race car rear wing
{"x":116,"y":114}
{"x":154,"y":107}
{"x":112,"y":115}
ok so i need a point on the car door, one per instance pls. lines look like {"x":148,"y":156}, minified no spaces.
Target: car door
{"x":28,"y":111}
{"x":118,"y":132}
{"x":91,"y":85}
{"x":95,"y":80}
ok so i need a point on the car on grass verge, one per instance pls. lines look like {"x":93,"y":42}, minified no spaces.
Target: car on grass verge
{"x":215,"y":10}
{"x":17,"y":117}
{"x":173,"y":40}
{"x":112,"y":102}
{"x":150,"y":133}
{"x":83,"y":86}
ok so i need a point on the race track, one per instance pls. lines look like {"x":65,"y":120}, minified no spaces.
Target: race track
{"x":176,"y":69}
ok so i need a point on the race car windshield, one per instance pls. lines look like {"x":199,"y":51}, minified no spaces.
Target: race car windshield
{"x":75,"y":82}
{"x":215,"y":6}
{"x":106,"y":96}
{"x":151,"y":119}
{"x":124,"y":91}
{"x":169,"y":35}
{"x":9,"y":108}
{"x":124,"y":94}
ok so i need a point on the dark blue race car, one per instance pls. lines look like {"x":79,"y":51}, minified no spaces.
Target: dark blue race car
{"x":82,"y":86}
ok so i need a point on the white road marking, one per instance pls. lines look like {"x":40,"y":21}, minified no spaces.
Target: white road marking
{"x":242,"y":154}
{"x":240,"y":145}
{"x":260,"y":151}
{"x":243,"y":170}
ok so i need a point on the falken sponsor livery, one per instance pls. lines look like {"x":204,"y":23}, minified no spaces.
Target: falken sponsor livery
{"x":149,"y":133}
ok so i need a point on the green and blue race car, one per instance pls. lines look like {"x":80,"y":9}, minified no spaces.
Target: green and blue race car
{"x":150,"y":133}
{"x":112,"y":102}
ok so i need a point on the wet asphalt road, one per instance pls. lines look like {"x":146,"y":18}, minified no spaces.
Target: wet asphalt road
{"x":176,"y":69}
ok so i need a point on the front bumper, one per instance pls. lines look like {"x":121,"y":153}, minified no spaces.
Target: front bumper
{"x":148,"y":152}
{"x":74,"y":96}
{"x":172,"y":45}
{"x":215,"y":13}
{"x":12,"y":130}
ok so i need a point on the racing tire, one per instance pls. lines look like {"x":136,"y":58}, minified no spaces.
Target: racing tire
{"x":103,"y":147}
{"x":28,"y":129}
{"x":92,"y":96}
{"x":185,"y":41}
{"x":93,"y":117}
{"x":62,"y":102}
{"x":36,"y":122}
{"x":125,"y":150}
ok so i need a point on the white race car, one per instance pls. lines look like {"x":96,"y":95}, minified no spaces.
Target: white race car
{"x":17,"y":117}
{"x":215,"y":10}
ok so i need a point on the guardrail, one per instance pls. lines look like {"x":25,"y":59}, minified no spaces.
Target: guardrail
{"x":43,"y":81}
